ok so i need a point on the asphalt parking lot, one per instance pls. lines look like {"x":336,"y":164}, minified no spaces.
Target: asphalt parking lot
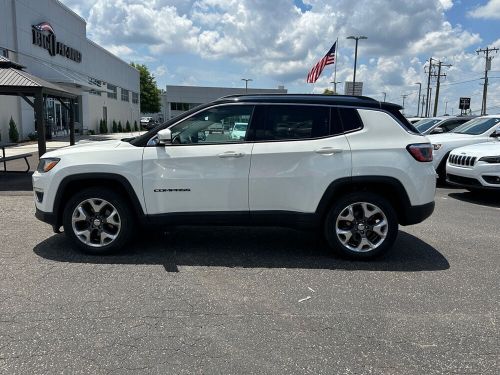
{"x":261,"y":300}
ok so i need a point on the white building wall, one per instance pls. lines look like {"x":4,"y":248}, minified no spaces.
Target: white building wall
{"x":16,"y":20}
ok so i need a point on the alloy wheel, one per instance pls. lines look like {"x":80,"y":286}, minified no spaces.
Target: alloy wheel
{"x":96,"y":222}
{"x":361,"y":227}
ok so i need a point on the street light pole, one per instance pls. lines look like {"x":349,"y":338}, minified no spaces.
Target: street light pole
{"x":385,"y":94}
{"x":246,"y":82}
{"x":335,"y":86}
{"x":419,"y":92}
{"x":356,"y":38}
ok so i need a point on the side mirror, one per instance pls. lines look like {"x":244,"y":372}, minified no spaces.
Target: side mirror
{"x":165,"y":136}
{"x":496,"y":133}
{"x":437,"y":130}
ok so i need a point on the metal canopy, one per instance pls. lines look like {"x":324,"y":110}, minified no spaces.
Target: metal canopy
{"x":16,"y":82}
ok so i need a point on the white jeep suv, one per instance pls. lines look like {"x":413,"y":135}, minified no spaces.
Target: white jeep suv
{"x":351,"y":166}
{"x":475,"y":167}
{"x":479,"y":130}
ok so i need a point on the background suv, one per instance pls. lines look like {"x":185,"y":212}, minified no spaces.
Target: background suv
{"x":475,"y":167}
{"x":350,"y":166}
{"x":478,"y":130}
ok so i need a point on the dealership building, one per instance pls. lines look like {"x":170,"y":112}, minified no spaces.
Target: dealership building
{"x":50,"y":41}
{"x":178,"y":99}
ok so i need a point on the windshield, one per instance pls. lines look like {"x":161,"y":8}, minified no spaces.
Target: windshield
{"x":477,"y":126}
{"x":424,"y":125}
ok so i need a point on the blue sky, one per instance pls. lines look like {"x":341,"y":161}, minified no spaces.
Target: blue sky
{"x":218,"y":42}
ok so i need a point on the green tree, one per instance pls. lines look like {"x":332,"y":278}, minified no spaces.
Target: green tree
{"x":115,"y":127}
{"x":328,"y":92}
{"x":13,"y":133}
{"x":120,"y":127}
{"x":135,"y":126}
{"x":127,"y":127}
{"x":150,"y":94}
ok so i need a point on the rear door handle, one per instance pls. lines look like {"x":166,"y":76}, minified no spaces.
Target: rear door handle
{"x":231,"y":154}
{"x":329,"y":151}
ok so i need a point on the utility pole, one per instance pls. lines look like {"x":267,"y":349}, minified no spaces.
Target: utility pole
{"x":419,"y":92}
{"x":429,"y":68}
{"x":487,"y":67}
{"x":404,"y":96}
{"x":438,"y":84}
{"x":429,"y":101}
{"x":385,"y":95}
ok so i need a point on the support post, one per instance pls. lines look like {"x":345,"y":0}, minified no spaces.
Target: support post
{"x":72,"y":122}
{"x":40,"y":123}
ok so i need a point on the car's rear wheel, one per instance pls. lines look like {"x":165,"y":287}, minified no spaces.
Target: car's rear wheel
{"x":99,"y":221}
{"x":361,"y":225}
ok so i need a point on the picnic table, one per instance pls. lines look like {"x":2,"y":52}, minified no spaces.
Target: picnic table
{"x":4,"y":159}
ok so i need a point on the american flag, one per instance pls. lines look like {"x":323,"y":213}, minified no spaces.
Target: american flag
{"x":328,"y":59}
{"x":44,"y":26}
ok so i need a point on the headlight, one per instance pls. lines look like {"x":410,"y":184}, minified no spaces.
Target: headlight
{"x":45,"y":165}
{"x":436,"y":146}
{"x":491,"y":159}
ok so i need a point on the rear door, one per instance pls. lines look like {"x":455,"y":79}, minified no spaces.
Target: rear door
{"x":298,"y":151}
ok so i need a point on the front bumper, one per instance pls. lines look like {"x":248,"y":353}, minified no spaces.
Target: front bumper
{"x":474,"y":177}
{"x":47,"y":217}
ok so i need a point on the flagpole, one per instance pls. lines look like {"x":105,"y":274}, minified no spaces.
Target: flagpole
{"x":335,"y":71}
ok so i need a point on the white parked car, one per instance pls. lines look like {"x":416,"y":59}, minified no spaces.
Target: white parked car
{"x":239,"y":130}
{"x":145,"y":121}
{"x":479,"y":130}
{"x":439,"y":125}
{"x":475,"y":167}
{"x":353,"y":168}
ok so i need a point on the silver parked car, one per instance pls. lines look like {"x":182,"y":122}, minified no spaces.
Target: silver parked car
{"x":439,"y":125}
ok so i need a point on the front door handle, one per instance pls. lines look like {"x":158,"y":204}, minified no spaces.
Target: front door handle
{"x":329,"y":151}
{"x":231,"y":154}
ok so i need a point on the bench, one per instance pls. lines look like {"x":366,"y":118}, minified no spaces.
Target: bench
{"x":5,"y":159}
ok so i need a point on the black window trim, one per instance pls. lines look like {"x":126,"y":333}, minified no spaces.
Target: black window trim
{"x":255,"y":104}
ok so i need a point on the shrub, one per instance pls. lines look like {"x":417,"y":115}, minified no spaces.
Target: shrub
{"x":13,"y":133}
{"x":105,"y":122}
{"x":120,"y":127}
{"x":33,"y":136}
{"x":136,"y":129}
{"x":90,"y":132}
{"x":115,"y":127}
{"x":103,"y":128}
{"x":127,"y":127}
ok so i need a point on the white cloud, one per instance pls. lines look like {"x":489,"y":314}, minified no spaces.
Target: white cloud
{"x":490,"y":10}
{"x":278,"y":42}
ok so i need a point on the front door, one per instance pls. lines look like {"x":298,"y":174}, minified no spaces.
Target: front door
{"x":206,"y":167}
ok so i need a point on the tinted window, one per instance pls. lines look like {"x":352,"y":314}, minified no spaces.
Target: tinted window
{"x":214,"y":125}
{"x":424,"y":125}
{"x":350,"y":119}
{"x":295,"y":122}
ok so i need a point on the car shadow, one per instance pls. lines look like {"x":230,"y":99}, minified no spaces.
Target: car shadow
{"x":247,"y":248}
{"x":13,"y":182}
{"x":485,"y":198}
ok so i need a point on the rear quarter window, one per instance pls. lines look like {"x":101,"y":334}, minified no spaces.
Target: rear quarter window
{"x":350,"y":119}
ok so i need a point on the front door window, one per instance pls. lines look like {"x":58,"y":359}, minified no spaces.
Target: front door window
{"x":223,"y":124}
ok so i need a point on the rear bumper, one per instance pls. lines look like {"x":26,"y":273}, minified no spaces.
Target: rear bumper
{"x":417,"y":214}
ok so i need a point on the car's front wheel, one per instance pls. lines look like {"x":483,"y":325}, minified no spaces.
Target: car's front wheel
{"x":361,"y":225}
{"x":98,"y":220}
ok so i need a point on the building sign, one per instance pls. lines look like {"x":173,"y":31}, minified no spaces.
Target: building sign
{"x":464,"y":103}
{"x":355,"y":88}
{"x":44,"y":37}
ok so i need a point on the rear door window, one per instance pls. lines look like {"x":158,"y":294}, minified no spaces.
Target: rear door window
{"x":294,"y":122}
{"x":350,"y":119}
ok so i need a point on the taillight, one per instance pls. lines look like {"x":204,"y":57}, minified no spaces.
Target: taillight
{"x":420,"y":151}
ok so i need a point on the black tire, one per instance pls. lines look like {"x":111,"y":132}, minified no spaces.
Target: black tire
{"x":124,"y":219}
{"x":441,"y":170}
{"x":347,"y":247}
